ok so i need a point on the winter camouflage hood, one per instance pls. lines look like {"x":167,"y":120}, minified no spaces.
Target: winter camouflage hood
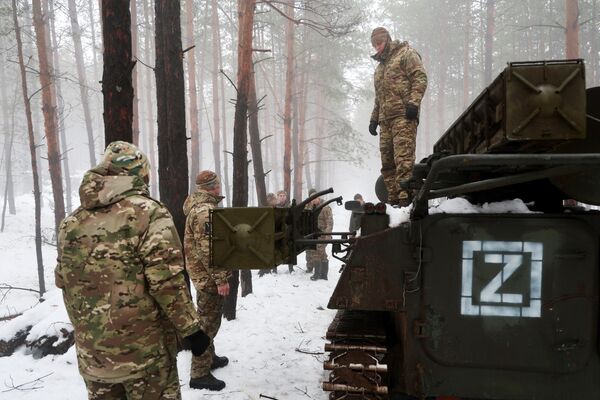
{"x":100,"y":187}
{"x":389,"y":49}
{"x":200,"y":197}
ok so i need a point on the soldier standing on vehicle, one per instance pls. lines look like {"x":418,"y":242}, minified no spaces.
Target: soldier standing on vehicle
{"x":211,"y":285}
{"x":120,"y":267}
{"x":317,"y":259}
{"x":400,"y":83}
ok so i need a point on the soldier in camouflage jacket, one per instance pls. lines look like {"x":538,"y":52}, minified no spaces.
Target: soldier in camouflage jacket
{"x":400,"y":83}
{"x":120,"y":266}
{"x":211,"y":285}
{"x":317,"y":259}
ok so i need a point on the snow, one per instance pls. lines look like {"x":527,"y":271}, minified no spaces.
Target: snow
{"x":275,"y":345}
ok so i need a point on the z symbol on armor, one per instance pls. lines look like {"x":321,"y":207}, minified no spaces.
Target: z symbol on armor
{"x":502,"y":279}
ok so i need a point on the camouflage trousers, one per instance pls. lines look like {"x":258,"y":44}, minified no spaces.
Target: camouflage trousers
{"x":210,"y":311}
{"x":397,"y":142}
{"x":317,"y":255}
{"x":160,"y":382}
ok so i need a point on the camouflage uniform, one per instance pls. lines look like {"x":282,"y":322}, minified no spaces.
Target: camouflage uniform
{"x":120,"y":267}
{"x":196,"y":243}
{"x":400,"y":80}
{"x":325,"y":224}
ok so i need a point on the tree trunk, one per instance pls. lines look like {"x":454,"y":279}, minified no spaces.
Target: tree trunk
{"x":302,"y":126}
{"x":27,"y":27}
{"x":240,"y":136}
{"x":135,"y":126}
{"x":466,"y":54}
{"x":49,"y":8}
{"x":255,"y":143}
{"x":93,"y":34}
{"x":33,"y":155}
{"x":9,"y":197}
{"x":193,"y":108}
{"x":572,"y":28}
{"x":151,"y":134}
{"x":83,"y":84}
{"x":49,"y":110}
{"x":215,"y":87}
{"x":117,"y":87}
{"x":289,"y":90}
{"x":489,"y":41}
{"x":595,"y":39}
{"x":224,"y":132}
{"x":170,"y":93}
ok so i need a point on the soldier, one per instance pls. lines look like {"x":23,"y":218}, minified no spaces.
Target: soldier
{"x":282,"y":201}
{"x":400,"y":83}
{"x":271,"y":199}
{"x":317,"y":259}
{"x":120,"y":267}
{"x":211,"y":285}
{"x":356,"y":216}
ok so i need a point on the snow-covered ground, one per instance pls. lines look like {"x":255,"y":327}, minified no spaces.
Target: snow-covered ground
{"x":275,"y":345}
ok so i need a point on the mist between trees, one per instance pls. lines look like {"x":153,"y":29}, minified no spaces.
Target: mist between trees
{"x":270,"y":94}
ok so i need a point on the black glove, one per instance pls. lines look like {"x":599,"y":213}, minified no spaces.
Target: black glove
{"x":412,"y":112}
{"x":373,"y":128}
{"x":199,"y":342}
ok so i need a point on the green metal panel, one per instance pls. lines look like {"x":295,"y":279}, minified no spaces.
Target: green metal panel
{"x":246,"y":238}
{"x":545,"y":101}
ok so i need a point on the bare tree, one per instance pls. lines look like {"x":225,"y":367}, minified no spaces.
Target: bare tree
{"x":240,"y":135}
{"x":49,"y":111}
{"x":151,"y":134}
{"x":135,"y":126}
{"x":170,"y":94}
{"x":289,"y":90}
{"x":32,"y":151}
{"x":216,"y":127}
{"x":117,"y":87}
{"x":83,"y":84}
{"x":9,"y":194}
{"x":490,"y":27}
{"x":572,"y":28}
{"x":53,"y":45}
{"x":193,"y":93}
{"x":255,"y":142}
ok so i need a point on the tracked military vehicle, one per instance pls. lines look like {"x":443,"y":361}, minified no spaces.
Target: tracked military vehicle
{"x":474,"y":306}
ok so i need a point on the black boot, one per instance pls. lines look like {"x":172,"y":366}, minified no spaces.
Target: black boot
{"x":317,"y":272}
{"x":219,"y":362}
{"x":207,"y":381}
{"x":324,"y":269}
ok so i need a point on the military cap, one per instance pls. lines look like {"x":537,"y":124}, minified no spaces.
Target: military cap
{"x":124,"y":158}
{"x":207,"y":179}
{"x":281,"y":192}
{"x":312,"y":191}
{"x":380,"y":34}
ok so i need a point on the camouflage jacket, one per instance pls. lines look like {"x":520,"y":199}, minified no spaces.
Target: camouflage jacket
{"x":325,"y":220}
{"x":400,"y":79}
{"x":196,"y":242}
{"x":120,"y":267}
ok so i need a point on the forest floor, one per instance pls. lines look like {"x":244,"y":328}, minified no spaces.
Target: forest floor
{"x":275,"y":345}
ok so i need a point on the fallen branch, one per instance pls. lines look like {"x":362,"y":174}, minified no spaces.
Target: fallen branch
{"x":314,"y":353}
{"x":20,"y":387}
{"x":267,"y":397}
{"x":304,"y":392}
